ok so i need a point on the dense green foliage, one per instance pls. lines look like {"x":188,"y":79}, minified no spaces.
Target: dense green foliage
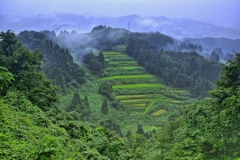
{"x":157,"y":39}
{"x":95,"y":64}
{"x":79,"y":108}
{"x":5,"y":77}
{"x":209,"y":128}
{"x":32,"y":126}
{"x":179,"y":69}
{"x":25,"y":67}
{"x":28,"y":133}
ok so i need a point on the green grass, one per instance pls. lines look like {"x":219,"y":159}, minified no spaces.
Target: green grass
{"x":149,"y":106}
{"x":141,"y":93}
{"x":167,"y":99}
{"x":127,"y":77}
{"x":124,"y":62}
{"x":123,"y":72}
{"x":124,"y":68}
{"x":159,"y":112}
{"x":137,"y":105}
{"x":132,"y":96}
{"x":135,"y":91}
{"x":135,"y":100}
{"x":140,"y":85}
{"x":113,"y":53}
{"x":120,"y":59}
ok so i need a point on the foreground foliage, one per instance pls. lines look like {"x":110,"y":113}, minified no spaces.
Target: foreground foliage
{"x":29,"y":133}
{"x":208,"y":129}
{"x":32,"y":126}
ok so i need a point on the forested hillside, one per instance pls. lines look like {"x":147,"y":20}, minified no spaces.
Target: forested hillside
{"x":208,"y":129}
{"x":114,"y":94}
{"x":58,"y":64}
{"x":179,"y":69}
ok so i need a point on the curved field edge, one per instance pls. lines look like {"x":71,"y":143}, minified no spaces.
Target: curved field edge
{"x":140,"y":85}
{"x":132,"y":96}
{"x":136,"y":105}
{"x":114,"y":53}
{"x":159,"y":112}
{"x":149,"y":106}
{"x":124,"y":67}
{"x":140,"y":76}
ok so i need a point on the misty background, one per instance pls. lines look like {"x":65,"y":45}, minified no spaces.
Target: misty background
{"x":179,"y":19}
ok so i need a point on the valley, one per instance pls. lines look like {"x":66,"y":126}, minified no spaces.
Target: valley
{"x":145,"y":99}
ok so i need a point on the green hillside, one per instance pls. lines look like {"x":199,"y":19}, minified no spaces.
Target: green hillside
{"x":130,"y":88}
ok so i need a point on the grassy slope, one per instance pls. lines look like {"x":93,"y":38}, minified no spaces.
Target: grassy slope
{"x":141,"y":94}
{"x":135,"y":94}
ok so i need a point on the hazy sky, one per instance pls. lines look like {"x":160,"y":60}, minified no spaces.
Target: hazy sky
{"x":219,"y":12}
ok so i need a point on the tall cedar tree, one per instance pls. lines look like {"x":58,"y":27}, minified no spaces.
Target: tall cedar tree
{"x":140,"y":129}
{"x":101,"y":59}
{"x":104,"y":108}
{"x":85,"y":108}
{"x":76,"y":101}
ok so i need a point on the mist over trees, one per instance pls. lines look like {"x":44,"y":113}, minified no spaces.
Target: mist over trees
{"x":223,"y":47}
{"x":178,"y":69}
{"x":178,"y":63}
{"x":58,"y":64}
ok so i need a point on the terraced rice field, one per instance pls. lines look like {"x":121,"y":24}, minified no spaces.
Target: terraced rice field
{"x":113,"y":53}
{"x":136,"y":105}
{"x":135,"y":100}
{"x":116,"y":55}
{"x":141,"y":85}
{"x":125,"y":63}
{"x":132,"y":96}
{"x":127,"y":77}
{"x":181,"y":91}
{"x":134,"y":87}
{"x":124,"y":67}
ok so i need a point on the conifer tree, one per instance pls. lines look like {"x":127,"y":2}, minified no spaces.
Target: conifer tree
{"x":76,"y":101}
{"x":104,"y":108}
{"x":140,"y":129}
{"x":101,"y":59}
{"x":85,"y":108}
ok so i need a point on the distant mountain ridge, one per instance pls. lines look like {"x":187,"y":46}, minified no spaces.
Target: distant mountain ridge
{"x":177,"y":28}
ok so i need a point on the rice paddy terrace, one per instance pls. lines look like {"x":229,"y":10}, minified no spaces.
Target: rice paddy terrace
{"x":138,"y":90}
